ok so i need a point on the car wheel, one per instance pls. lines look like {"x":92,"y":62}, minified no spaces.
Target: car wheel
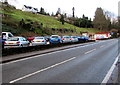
{"x":21,"y":45}
{"x":28,"y":44}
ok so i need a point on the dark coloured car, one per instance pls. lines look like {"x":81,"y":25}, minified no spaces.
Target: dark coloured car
{"x":82,"y":38}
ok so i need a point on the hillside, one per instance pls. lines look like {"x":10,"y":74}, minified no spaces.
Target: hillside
{"x":28,"y":24}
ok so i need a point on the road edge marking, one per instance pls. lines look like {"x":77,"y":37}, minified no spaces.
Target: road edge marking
{"x":36,"y":72}
{"x":109,"y":73}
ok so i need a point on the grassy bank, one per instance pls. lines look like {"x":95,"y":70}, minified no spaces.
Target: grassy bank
{"x":12,"y":18}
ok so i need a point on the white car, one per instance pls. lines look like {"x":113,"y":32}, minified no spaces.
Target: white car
{"x":16,"y":42}
{"x":6,"y":35}
{"x":74,"y":39}
{"x":38,"y":41}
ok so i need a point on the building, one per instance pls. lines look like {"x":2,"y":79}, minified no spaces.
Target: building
{"x":29,"y":9}
{"x":96,"y":36}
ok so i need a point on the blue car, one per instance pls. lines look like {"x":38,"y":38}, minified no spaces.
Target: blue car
{"x":82,"y":38}
{"x":55,"y":39}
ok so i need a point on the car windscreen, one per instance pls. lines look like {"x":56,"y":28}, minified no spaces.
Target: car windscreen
{"x":13,"y":39}
{"x":54,"y":37}
{"x":74,"y":37}
{"x":39,"y":38}
{"x":66,"y":37}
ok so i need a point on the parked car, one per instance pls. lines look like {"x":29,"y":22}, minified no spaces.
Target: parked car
{"x":82,"y":38}
{"x":55,"y":39}
{"x":6,"y":35}
{"x":74,"y":39}
{"x":17,"y":42}
{"x":30,"y":38}
{"x":38,"y":41}
{"x":47,"y":38}
{"x":65,"y":39}
{"x":2,"y":42}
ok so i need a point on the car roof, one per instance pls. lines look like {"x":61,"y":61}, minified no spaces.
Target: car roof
{"x":54,"y":35}
{"x":6,"y":32}
{"x":38,"y":37}
{"x":17,"y":37}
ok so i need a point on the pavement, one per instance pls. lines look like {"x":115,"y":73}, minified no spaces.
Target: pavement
{"x":79,"y":64}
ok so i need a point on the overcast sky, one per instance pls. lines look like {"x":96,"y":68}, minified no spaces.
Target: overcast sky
{"x":86,"y":7}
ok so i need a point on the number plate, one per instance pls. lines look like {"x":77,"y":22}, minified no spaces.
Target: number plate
{"x":54,"y":40}
{"x":37,"y":41}
{"x":10,"y":43}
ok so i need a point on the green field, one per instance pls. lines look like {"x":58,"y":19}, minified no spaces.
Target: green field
{"x":14,"y":16}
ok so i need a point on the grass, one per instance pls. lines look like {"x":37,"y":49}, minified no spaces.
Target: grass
{"x":15,"y":16}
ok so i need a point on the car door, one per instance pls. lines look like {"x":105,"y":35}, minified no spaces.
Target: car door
{"x":25,"y":42}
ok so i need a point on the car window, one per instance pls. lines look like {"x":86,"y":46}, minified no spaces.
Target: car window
{"x":54,"y":37}
{"x":24,"y":39}
{"x":4,"y":36}
{"x":73,"y":37}
{"x":10,"y":35}
{"x":39,"y":38}
{"x":13,"y":39}
{"x":64,"y":36}
{"x":21,"y":39}
{"x":68,"y":37}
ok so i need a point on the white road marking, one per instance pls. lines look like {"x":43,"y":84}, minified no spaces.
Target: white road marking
{"x":107,"y":77}
{"x":53,"y":52}
{"x":90,"y":51}
{"x":102,"y":46}
{"x":40,"y":55}
{"x":26,"y":76}
{"x":36,"y":56}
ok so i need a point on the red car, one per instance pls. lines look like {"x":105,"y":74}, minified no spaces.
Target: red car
{"x":30,"y":38}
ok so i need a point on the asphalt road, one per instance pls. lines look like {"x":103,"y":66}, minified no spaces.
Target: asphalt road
{"x":83,"y":64}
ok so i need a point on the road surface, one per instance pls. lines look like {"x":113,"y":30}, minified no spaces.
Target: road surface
{"x":83,"y":64}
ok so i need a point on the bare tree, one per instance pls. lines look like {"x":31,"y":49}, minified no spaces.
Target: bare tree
{"x":100,"y":20}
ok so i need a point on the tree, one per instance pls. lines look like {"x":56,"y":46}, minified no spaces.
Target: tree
{"x":42,"y":11}
{"x":62,"y":19}
{"x":65,"y":15}
{"x":52,"y":14}
{"x":6,"y":2}
{"x":100,"y":20}
{"x":73,"y":9}
{"x":58,"y":11}
{"x":119,"y":20}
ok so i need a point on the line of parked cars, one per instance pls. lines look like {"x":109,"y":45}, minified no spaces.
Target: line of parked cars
{"x":40,"y":40}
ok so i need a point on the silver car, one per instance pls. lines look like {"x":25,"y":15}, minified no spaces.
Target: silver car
{"x":65,"y":39}
{"x":38,"y":41}
{"x":74,"y":39}
{"x":16,"y":42}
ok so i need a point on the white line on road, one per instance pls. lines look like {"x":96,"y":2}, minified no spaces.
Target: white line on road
{"x":102,"y":46}
{"x":52,"y":53}
{"x":107,"y":77}
{"x":42,"y":55}
{"x":26,"y":76}
{"x":90,"y":51}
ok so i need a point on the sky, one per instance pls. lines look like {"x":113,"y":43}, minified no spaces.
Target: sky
{"x":86,"y":7}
